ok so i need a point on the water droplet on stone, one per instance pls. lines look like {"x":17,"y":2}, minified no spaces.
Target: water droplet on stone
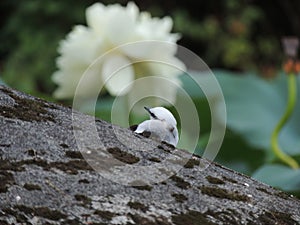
{"x":18,"y":198}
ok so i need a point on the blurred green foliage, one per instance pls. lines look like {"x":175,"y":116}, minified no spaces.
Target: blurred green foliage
{"x":233,"y":34}
{"x":31,"y":32}
{"x":228,"y":39}
{"x":254,"y":106}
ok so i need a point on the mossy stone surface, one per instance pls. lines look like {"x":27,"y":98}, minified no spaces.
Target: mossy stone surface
{"x":45,"y":178}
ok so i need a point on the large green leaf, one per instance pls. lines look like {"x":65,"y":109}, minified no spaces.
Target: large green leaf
{"x":279,"y":176}
{"x":254,"y":106}
{"x":103,"y":108}
{"x":238,"y":155}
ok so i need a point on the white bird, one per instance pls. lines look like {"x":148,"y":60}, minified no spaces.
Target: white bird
{"x":161,"y":126}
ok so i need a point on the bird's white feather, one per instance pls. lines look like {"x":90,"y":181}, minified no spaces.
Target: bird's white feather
{"x":162,"y":125}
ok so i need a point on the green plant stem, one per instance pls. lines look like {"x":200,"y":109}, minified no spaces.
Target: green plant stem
{"x":292,"y":97}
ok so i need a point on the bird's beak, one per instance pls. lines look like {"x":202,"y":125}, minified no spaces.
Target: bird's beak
{"x":151,"y":113}
{"x":147,"y":109}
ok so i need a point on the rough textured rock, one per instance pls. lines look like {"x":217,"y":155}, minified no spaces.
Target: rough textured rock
{"x":46,"y":180}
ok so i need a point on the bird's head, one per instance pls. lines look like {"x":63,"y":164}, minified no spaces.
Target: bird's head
{"x":162,"y":114}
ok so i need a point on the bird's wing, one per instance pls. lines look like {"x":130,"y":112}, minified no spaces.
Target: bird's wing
{"x":143,"y":129}
{"x":158,"y":130}
{"x":144,"y":126}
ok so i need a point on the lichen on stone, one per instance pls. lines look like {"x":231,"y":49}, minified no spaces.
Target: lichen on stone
{"x":223,"y":193}
{"x":123,"y":156}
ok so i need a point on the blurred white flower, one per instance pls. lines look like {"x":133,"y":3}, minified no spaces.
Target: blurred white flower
{"x":150,"y":52}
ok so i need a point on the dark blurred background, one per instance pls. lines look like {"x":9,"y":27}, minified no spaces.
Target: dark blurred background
{"x":234,"y":34}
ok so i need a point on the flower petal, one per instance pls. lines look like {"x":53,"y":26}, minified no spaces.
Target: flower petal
{"x":121,"y":24}
{"x":109,"y":27}
{"x":117,"y":73}
{"x":157,"y":89}
{"x":96,"y":17}
{"x":168,"y":67}
{"x":149,"y":49}
{"x":84,"y":83}
{"x":80,"y":46}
